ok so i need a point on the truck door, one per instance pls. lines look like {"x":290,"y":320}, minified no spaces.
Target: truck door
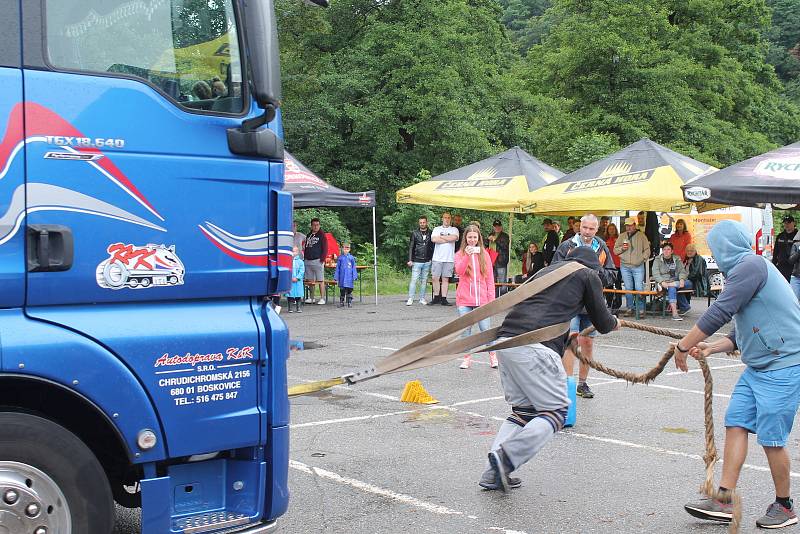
{"x":143,"y":230}
{"x":12,"y":160}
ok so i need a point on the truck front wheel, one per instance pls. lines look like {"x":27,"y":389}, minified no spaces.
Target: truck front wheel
{"x":49,"y":479}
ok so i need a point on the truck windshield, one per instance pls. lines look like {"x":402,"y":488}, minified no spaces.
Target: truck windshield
{"x":188,"y":49}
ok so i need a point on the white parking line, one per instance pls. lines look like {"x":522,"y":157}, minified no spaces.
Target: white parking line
{"x":389,"y":494}
{"x":357,"y":418}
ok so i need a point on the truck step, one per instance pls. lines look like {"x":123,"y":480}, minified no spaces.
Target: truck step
{"x":208,"y":521}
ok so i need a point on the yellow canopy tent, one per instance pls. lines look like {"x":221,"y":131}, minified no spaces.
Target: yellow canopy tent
{"x":644,"y":176}
{"x":502,"y":182}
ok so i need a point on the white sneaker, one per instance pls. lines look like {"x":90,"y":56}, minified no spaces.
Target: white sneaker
{"x":409,"y":302}
{"x":423,"y":302}
{"x":309,"y":301}
{"x":321,"y":301}
{"x":466,"y":362}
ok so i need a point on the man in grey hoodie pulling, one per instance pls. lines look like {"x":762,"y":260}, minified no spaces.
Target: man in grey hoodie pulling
{"x":766,"y":318}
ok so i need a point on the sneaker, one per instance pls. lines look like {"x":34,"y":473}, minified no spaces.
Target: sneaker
{"x":488,"y":481}
{"x":437,"y":299}
{"x":409,"y":302}
{"x":684,"y":311}
{"x":321,"y":301}
{"x":290,"y":309}
{"x":309,"y":301}
{"x":584,"y":391}
{"x":777,"y":517}
{"x":444,"y":302}
{"x":466,"y":362}
{"x":501,"y":468}
{"x":677,"y":318}
{"x":341,"y":304}
{"x":423,"y":302}
{"x":493,"y":360}
{"x":711,"y":510}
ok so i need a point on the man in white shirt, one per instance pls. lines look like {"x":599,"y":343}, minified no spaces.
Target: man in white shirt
{"x":444,"y":238}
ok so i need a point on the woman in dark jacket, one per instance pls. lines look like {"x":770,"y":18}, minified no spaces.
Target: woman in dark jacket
{"x":532,"y":261}
{"x":696,"y":267}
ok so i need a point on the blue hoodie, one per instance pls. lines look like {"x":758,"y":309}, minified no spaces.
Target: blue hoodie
{"x":765,"y":312}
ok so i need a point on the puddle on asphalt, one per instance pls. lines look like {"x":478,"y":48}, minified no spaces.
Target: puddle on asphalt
{"x":676,"y":430}
{"x":449,"y":417}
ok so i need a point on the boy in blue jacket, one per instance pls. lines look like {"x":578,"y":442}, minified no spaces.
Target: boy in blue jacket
{"x":345,"y":275}
{"x":295,"y":295}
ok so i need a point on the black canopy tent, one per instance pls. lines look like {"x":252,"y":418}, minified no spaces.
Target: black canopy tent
{"x":310,"y":191}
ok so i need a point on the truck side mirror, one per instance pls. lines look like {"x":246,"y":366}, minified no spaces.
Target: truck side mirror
{"x":261,"y":33}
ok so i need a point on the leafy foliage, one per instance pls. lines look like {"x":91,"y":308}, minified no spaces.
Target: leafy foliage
{"x":382,"y":93}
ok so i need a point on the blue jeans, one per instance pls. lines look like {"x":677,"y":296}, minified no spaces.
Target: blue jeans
{"x":674,"y":296}
{"x":419,"y":274}
{"x":633,"y":279}
{"x":795,"y":283}
{"x":483,"y":325}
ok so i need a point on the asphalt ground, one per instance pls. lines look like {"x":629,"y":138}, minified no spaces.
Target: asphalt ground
{"x":364,"y":462}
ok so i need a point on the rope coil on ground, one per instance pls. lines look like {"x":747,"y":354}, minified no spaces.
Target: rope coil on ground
{"x":710,"y":457}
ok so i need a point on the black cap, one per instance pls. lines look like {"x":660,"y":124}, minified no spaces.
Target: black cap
{"x":788,"y":218}
{"x":497,"y":222}
{"x":547,"y":221}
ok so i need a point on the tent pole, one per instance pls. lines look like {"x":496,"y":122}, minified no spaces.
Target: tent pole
{"x":375,"y":253}
{"x":510,"y":241}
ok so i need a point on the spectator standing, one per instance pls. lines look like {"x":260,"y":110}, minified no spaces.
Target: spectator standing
{"x":532,"y":261}
{"x":345,"y":275}
{"x":783,"y":247}
{"x":420,"y":252}
{"x":794,"y":259}
{"x":532,"y":376}
{"x":458,"y":222}
{"x":475,"y":283}
{"x":680,"y":239}
{"x":633,"y":250}
{"x":765,"y":399}
{"x":299,"y":239}
{"x":573,"y":229}
{"x":550,"y":241}
{"x":444,"y":238}
{"x":696,"y":269}
{"x":614,"y":300}
{"x":587,"y":238}
{"x":557,"y":228}
{"x":500,"y":243}
{"x":315,"y":251}
{"x":602,"y":231}
{"x":670,"y":275}
{"x":298,"y":270}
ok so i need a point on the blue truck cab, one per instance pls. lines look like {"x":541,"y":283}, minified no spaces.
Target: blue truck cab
{"x":142,"y":223}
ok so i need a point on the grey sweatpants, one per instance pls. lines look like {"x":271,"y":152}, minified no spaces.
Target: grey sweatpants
{"x":532,"y":375}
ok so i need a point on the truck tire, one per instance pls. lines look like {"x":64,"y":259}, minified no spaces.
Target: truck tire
{"x":44,"y":464}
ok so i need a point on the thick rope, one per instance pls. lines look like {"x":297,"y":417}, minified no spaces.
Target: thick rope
{"x":710,"y":457}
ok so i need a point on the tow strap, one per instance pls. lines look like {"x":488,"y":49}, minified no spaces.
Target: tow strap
{"x":443,"y":344}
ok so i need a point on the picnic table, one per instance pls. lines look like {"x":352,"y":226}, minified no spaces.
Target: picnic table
{"x":331,"y":283}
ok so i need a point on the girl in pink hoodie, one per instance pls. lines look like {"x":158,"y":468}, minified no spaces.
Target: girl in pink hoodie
{"x":475,"y":283}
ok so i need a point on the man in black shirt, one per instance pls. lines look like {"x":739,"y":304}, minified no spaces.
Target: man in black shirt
{"x":783,"y":246}
{"x":420,"y":252}
{"x":550,"y":243}
{"x":533,"y":378}
{"x":499,"y":241}
{"x":314,"y":253}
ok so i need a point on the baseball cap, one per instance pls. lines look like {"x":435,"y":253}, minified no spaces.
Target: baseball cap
{"x":631,"y":220}
{"x":788,"y":219}
{"x":497,"y":222}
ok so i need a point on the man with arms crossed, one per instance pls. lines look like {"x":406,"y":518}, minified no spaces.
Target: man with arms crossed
{"x":444,"y":238}
{"x":766,"y":318}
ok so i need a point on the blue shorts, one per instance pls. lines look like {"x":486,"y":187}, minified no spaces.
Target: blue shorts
{"x":579,"y":323}
{"x":764,"y":403}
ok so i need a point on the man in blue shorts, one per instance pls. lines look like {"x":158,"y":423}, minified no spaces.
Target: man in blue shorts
{"x":766,"y":318}
{"x":586,"y":237}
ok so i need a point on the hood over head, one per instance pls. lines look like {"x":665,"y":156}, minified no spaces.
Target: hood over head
{"x":730,"y":242}
{"x":585,"y":256}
